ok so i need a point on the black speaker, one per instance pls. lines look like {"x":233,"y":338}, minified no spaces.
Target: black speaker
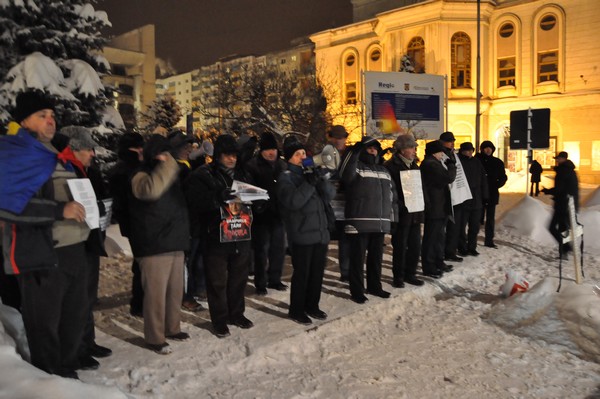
{"x":540,"y":129}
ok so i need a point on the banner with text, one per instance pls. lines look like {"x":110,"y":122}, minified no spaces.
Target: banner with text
{"x":401,"y":102}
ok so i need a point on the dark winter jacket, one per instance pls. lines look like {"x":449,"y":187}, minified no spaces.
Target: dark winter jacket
{"x":477,"y":180}
{"x":395,"y":165}
{"x":302,"y":206}
{"x":119,"y":186}
{"x":369,"y":193}
{"x":496,"y":175}
{"x":202,"y":190}
{"x":265,"y":175}
{"x":159,"y":217}
{"x":565,"y":183}
{"x":436,"y":192}
{"x":536,"y":171}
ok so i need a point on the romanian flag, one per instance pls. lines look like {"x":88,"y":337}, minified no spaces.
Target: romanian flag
{"x":389,"y":124}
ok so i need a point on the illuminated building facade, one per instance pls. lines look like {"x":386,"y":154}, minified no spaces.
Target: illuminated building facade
{"x":533,"y":53}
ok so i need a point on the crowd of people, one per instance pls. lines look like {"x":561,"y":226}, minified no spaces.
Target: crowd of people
{"x":176,"y":202}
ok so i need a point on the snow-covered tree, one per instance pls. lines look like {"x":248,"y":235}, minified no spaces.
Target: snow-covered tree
{"x":163,"y":112}
{"x":54,"y":47}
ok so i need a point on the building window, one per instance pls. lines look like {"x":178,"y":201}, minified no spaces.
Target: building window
{"x":506,"y":72}
{"x":548,"y":66}
{"x":350,"y":78}
{"x":375,"y":60}
{"x":506,"y":30}
{"x":547,"y":41}
{"x":461,"y":60}
{"x":416,"y":51}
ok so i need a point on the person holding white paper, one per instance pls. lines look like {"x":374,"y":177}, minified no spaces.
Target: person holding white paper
{"x":81,"y":153}
{"x":406,"y":232}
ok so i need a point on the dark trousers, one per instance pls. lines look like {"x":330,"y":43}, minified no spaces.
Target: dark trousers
{"x":54,"y":307}
{"x":196,"y":280}
{"x":93,"y":276}
{"x":406,"y":243}
{"x":308,"y":262}
{"x":268,"y":241}
{"x":432,"y":248}
{"x":489,"y":215}
{"x":226,"y":278}
{"x":453,"y":231}
{"x":9,"y":288}
{"x":372,"y":244}
{"x":536,"y":185}
{"x":469,"y":229}
{"x":558,"y":224}
{"x":136,"y":304}
{"x":343,"y":249}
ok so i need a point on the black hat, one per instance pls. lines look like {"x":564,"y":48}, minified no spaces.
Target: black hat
{"x":562,"y":154}
{"x":487,"y":144}
{"x":467,"y":147}
{"x":129,"y":140}
{"x":178,"y":138}
{"x":268,"y":142}
{"x":155,"y":145}
{"x":434,"y":147}
{"x":290,"y":145}
{"x":338,"y":132}
{"x":448,"y":137}
{"x":369,"y":141}
{"x":224,"y":144}
{"x":30,"y":102}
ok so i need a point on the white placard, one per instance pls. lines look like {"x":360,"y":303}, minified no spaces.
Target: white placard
{"x":83,"y":192}
{"x":412,"y":189}
{"x":247,"y":192}
{"x":459,"y":188}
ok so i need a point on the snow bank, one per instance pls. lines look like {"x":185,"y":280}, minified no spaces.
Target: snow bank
{"x":530,"y":217}
{"x":20,"y":379}
{"x":569,"y":318}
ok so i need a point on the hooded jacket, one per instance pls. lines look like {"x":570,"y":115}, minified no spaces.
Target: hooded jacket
{"x":369,"y":191}
{"x":494,"y":168}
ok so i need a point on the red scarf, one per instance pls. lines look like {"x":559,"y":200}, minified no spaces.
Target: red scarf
{"x":67,"y":155}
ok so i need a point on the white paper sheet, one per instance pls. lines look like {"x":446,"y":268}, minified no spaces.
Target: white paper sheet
{"x":83,"y":192}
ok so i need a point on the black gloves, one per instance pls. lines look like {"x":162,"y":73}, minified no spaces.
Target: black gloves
{"x":450,"y":161}
{"x":544,"y":190}
{"x":225,"y":195}
{"x":312,"y":176}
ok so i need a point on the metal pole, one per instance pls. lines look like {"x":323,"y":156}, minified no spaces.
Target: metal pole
{"x":478,"y":84}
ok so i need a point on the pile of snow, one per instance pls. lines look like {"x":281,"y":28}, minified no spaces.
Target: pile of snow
{"x":570,"y":318}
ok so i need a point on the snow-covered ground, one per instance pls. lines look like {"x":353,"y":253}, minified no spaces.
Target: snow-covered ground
{"x":453,"y":337}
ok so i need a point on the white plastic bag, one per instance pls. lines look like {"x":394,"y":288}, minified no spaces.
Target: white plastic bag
{"x":514,"y":283}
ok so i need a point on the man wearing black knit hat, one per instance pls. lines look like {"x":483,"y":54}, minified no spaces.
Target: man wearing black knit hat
{"x":496,"y":175}
{"x":268,"y":237}
{"x":36,"y":211}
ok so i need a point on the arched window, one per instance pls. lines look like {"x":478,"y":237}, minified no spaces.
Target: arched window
{"x":416,"y":51}
{"x":547,"y":48}
{"x":350,"y":77}
{"x":375,"y":59}
{"x":461,"y":60}
{"x":506,"y":54}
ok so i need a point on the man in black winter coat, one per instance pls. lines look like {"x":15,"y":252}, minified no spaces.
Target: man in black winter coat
{"x":565,"y":184}
{"x":436,"y":177}
{"x":406,"y":232}
{"x":268,"y":234}
{"x":452,"y":226}
{"x":368,"y":213}
{"x":496,"y":175}
{"x":119,"y":182}
{"x":226,"y":260}
{"x":471,"y":212}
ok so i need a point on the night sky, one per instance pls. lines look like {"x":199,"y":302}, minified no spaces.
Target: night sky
{"x":193,"y":33}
